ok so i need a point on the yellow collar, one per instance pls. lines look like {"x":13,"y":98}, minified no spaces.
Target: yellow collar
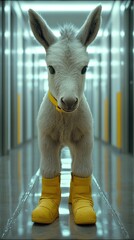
{"x":54,"y":102}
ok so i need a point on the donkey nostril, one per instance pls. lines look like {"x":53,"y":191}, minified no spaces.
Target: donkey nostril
{"x":62,"y":100}
{"x":65,"y":101}
{"x":76,"y":100}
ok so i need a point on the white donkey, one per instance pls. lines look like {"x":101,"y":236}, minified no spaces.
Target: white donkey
{"x":65,"y":119}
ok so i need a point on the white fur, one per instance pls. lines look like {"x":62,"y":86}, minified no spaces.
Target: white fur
{"x":75,"y":128}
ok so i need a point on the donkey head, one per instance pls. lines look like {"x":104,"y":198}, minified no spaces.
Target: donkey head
{"x":66,"y":57}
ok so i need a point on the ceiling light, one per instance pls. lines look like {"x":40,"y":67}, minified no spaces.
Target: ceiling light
{"x":64,"y":6}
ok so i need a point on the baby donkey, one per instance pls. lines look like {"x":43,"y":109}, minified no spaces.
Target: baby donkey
{"x":65,"y":119}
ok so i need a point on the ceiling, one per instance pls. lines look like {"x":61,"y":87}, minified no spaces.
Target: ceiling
{"x":59,"y":12}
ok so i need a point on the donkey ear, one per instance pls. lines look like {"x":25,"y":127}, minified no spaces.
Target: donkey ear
{"x":90,"y":28}
{"x":41,"y":30}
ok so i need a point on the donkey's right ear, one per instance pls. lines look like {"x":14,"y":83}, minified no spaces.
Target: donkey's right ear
{"x":41,"y":30}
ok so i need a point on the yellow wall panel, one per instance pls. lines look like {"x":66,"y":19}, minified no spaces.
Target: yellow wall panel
{"x":119,"y":119}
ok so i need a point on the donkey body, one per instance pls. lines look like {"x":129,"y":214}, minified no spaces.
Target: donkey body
{"x":64,"y":117}
{"x":60,"y":129}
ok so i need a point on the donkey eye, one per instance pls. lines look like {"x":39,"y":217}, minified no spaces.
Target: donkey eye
{"x":84,"y":69}
{"x":51,"y":69}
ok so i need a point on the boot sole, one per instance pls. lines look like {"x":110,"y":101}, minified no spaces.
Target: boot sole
{"x":43,"y":221}
{"x":90,"y":222}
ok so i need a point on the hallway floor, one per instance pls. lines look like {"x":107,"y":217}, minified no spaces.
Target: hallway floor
{"x":113,"y":194}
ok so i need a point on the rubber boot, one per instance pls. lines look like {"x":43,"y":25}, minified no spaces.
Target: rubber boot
{"x":48,"y":207}
{"x":81,"y":200}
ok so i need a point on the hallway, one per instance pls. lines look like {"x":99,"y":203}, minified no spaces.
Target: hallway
{"x":27,"y":75}
{"x":112,"y":193}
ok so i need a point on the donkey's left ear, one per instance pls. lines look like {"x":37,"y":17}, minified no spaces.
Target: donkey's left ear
{"x":90,"y":28}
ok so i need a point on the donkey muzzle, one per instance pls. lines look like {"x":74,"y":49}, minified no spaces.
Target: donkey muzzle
{"x":69,"y":104}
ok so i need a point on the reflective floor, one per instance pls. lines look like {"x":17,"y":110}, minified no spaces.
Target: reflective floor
{"x":113,"y":194}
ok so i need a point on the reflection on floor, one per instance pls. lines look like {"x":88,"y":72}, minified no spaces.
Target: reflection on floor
{"x":113,"y":193}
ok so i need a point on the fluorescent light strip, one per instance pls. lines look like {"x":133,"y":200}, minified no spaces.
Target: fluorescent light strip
{"x":41,"y":50}
{"x":64,"y":7}
{"x":57,"y":33}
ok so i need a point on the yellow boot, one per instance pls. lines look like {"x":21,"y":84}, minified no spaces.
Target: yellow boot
{"x":47,"y":209}
{"x":81,"y":199}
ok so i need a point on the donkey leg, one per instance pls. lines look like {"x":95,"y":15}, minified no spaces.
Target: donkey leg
{"x":50,"y":164}
{"x":48,"y":207}
{"x":80,"y":187}
{"x":81,"y":152}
